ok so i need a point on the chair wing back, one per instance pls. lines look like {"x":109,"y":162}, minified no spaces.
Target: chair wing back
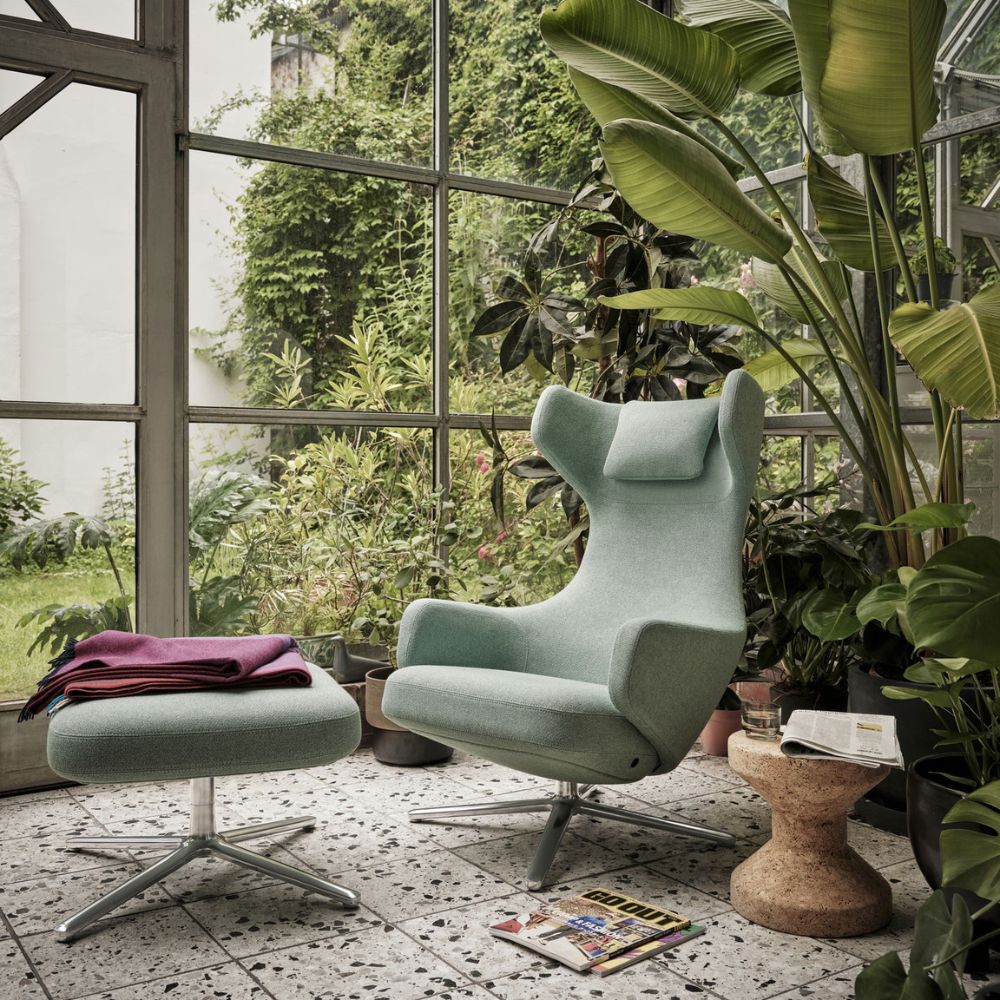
{"x":667,"y":485}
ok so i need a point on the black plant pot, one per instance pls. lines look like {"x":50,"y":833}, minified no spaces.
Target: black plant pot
{"x":824,"y":699}
{"x":885,"y":805}
{"x":930,"y":794}
{"x":945,"y":282}
{"x":991,"y":991}
{"x":392,"y":744}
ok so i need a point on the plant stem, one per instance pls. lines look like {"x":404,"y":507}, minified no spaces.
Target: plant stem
{"x":890,"y":224}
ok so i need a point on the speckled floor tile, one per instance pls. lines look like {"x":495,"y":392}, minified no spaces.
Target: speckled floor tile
{"x":123,"y":951}
{"x":909,"y":892}
{"x":737,"y":959}
{"x":40,"y":904}
{"x":648,"y":980}
{"x":48,"y":816}
{"x":222,"y":982}
{"x":705,"y":866}
{"x":116,"y":803}
{"x":510,"y":857}
{"x":683,"y":782}
{"x":438,"y":881}
{"x":275,"y":916}
{"x":211,"y":876}
{"x":381,"y":963}
{"x":462,"y":937}
{"x":877,"y":847}
{"x":739,"y":811}
{"x":836,"y":987}
{"x":30,"y":857}
{"x":485,"y":778}
{"x":15,"y":973}
{"x":713,"y":767}
{"x":649,"y":886}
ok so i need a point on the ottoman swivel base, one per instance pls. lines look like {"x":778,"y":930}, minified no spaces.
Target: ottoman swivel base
{"x":806,"y":879}
{"x":201,"y":840}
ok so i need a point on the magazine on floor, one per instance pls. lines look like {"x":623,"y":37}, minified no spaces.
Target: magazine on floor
{"x":655,"y":947}
{"x":583,"y":931}
{"x":869,"y":740}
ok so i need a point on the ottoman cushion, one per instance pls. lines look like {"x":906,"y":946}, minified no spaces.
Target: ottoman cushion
{"x":201,"y":734}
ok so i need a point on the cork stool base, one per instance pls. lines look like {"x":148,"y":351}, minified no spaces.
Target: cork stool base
{"x":806,"y":879}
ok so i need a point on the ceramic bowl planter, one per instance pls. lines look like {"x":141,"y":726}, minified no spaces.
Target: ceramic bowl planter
{"x":393,"y":744}
{"x":714,"y":737}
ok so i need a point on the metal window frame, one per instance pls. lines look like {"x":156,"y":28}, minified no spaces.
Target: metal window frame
{"x":154,"y":67}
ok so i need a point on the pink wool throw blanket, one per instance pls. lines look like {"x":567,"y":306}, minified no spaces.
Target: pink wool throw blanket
{"x":118,"y":664}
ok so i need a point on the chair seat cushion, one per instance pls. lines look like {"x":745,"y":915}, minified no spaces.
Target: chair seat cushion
{"x":201,"y":734}
{"x":549,"y":726}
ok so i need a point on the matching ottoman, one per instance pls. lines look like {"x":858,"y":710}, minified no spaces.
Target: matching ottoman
{"x":202,"y":735}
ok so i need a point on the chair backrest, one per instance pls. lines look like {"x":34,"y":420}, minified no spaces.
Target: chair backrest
{"x":667,"y":485}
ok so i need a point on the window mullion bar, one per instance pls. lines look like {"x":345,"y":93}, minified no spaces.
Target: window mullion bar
{"x":442,"y":156}
{"x":317,"y":418}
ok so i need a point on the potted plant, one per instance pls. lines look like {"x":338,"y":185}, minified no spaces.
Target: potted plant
{"x":393,"y":744}
{"x":945,"y":937}
{"x":947,"y":267}
{"x":801,"y":571}
{"x":725,"y":719}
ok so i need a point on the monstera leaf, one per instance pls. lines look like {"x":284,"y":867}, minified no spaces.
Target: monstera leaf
{"x":760,"y":33}
{"x":842,"y":217}
{"x":927,"y":517}
{"x":956,"y":351}
{"x":953,"y":601}
{"x":868,"y":70}
{"x":691,"y":72}
{"x":676,"y":184}
{"x":701,"y":305}
{"x":607,"y":103}
{"x":970,"y":858}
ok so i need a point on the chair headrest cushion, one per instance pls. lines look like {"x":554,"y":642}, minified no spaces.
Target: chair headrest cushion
{"x":662,"y":440}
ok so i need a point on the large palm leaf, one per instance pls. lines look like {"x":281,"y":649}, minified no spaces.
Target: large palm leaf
{"x":760,"y":33}
{"x":607,"y":104}
{"x":628,"y":45}
{"x":957,"y":351}
{"x":676,"y":184}
{"x":867,"y":69}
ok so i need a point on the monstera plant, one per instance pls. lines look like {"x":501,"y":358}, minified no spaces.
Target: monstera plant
{"x":660,"y":88}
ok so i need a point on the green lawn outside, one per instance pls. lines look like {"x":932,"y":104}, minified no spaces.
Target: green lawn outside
{"x":20,"y":593}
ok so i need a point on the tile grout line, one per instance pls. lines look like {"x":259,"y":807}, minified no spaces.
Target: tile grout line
{"x":24,"y":952}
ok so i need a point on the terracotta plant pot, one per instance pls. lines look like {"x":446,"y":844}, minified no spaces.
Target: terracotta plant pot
{"x":715,"y":736}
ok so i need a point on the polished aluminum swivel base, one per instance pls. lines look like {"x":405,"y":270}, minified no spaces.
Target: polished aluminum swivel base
{"x":569,"y":800}
{"x":202,"y":839}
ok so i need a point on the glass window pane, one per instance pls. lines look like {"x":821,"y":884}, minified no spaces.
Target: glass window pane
{"x":14,"y":85}
{"x":308,"y":288}
{"x":18,"y":8}
{"x":781,"y":463}
{"x":67,"y":249}
{"x":48,"y":468}
{"x":352,"y":78}
{"x":519,"y":561}
{"x":488,"y":239}
{"x":514,"y":115}
{"x":109,"y":17}
{"x":311,"y":530}
{"x":766,"y":126}
{"x":981,"y":451}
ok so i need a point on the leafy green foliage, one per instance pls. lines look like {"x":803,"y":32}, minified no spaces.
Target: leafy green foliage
{"x":20,"y":494}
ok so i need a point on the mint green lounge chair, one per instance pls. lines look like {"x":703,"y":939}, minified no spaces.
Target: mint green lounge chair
{"x":614,"y":677}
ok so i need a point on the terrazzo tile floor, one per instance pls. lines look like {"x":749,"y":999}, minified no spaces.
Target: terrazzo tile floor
{"x":214,"y":932}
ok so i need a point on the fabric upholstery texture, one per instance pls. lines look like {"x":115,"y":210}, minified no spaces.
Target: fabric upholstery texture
{"x":653,"y":618}
{"x":665,"y":440}
{"x":202,"y":734}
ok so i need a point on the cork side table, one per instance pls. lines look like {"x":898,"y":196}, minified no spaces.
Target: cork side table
{"x":806,"y":879}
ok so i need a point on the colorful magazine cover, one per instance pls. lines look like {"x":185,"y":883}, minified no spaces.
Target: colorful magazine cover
{"x":647,"y":950}
{"x":584,"y":930}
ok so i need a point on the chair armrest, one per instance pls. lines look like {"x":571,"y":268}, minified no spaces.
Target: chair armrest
{"x":667,"y":677}
{"x":450,"y":633}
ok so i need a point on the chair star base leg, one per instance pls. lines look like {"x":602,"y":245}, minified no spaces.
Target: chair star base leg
{"x":569,"y":800}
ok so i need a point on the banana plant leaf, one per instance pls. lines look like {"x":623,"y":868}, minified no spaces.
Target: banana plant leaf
{"x":953,"y":601}
{"x":629,"y":45}
{"x":701,"y":305}
{"x":773,"y":283}
{"x":956,"y":351}
{"x":676,"y":184}
{"x":842,"y":217}
{"x":773,"y":372}
{"x":927,"y":517}
{"x":761,"y":34}
{"x":607,"y":104}
{"x":868,"y":70}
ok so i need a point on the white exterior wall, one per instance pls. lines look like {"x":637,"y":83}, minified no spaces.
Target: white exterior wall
{"x":67,"y":258}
